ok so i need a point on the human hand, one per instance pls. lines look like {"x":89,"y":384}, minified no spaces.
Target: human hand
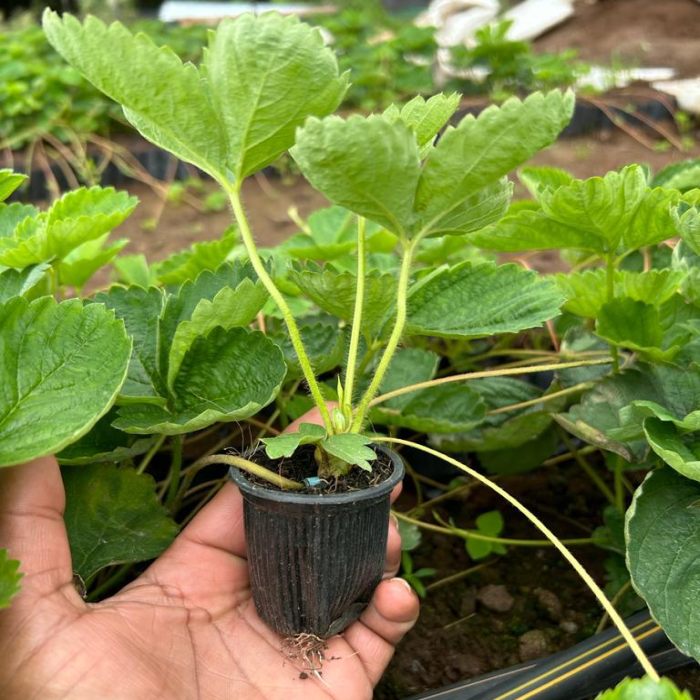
{"x":186,"y":628}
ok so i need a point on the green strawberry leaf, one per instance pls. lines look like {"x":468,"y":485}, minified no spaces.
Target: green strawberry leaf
{"x":537,"y":178}
{"x":227,"y":309}
{"x":586,"y":292}
{"x":228,"y":375}
{"x":267,"y":74}
{"x":167,"y":102}
{"x":662,"y":530}
{"x":324,"y":343}
{"x":351,"y":448}
{"x":140,"y":309}
{"x":501,"y":431}
{"x":113,"y":516}
{"x":449,"y":408}
{"x":79,"y":216}
{"x":286,"y":445}
{"x":645,"y":689}
{"x":10,"y":575}
{"x":15,"y":283}
{"x":334,"y":292}
{"x":62,"y":366}
{"x":656,"y":333}
{"x":80,"y":264}
{"x":187,"y":264}
{"x":678,"y":449}
{"x":425,"y":117}
{"x":9,"y":182}
{"x":480,"y":151}
{"x":473,"y":301}
{"x":105,"y":443}
{"x":365,"y":164}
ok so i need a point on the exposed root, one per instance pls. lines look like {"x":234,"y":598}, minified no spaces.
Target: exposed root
{"x":308,"y":651}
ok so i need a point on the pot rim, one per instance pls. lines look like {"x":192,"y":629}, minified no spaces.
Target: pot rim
{"x":247,"y":488}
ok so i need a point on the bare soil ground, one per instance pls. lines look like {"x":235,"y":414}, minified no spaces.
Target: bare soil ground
{"x":637,"y":32}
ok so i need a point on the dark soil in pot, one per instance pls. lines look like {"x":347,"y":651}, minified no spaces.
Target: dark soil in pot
{"x":315,"y":558}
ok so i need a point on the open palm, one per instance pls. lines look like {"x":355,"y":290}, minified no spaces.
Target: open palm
{"x":187,"y":628}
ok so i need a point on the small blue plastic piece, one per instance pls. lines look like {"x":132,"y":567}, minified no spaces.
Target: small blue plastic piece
{"x":313,"y":482}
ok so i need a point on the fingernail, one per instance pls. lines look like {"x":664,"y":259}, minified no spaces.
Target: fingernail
{"x":394,"y":520}
{"x":403,"y":582}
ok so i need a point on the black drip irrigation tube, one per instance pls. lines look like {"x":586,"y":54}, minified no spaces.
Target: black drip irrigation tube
{"x":577,"y":673}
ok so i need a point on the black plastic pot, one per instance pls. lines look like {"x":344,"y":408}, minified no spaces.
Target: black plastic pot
{"x":315,"y":560}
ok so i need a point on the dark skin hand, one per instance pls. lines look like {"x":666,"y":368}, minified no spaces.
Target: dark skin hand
{"x":185,"y":629}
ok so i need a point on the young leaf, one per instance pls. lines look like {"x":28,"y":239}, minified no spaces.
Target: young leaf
{"x":687,"y":222}
{"x":10,"y":577}
{"x":474,"y":301}
{"x":364,"y":164}
{"x":227,"y":375}
{"x":9,"y":182}
{"x":133,"y":271}
{"x":61,"y":367}
{"x":662,"y":531}
{"x":187,"y":264}
{"x":425,"y":117}
{"x":490,"y":524}
{"x":11,"y":215}
{"x":600,"y":214}
{"x":482,"y":150}
{"x":113,"y":516}
{"x":682,"y":176}
{"x":167,"y":102}
{"x":267,"y":74}
{"x":645,"y":689}
{"x":351,"y":448}
{"x":83,"y":262}
{"x":79,"y":216}
{"x":285,"y":445}
{"x":537,"y":178}
{"x":14,"y":283}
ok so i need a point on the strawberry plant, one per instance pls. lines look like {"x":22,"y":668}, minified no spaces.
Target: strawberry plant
{"x":381,"y":312}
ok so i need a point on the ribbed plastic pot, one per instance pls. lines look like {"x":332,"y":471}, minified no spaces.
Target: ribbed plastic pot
{"x":315,"y":560}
